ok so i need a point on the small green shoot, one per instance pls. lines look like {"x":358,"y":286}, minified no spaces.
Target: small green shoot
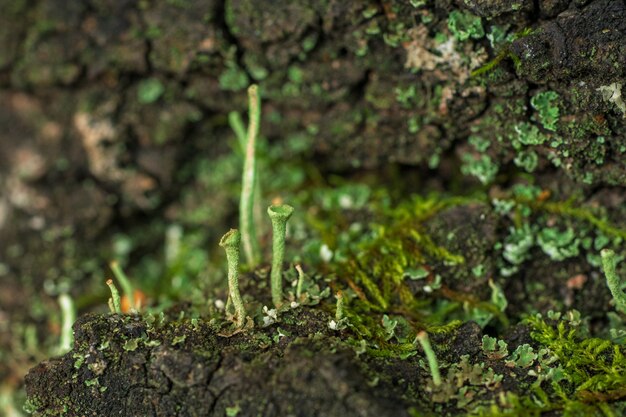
{"x":609,"y":262}
{"x":279,"y":214}
{"x":68,"y":316}
{"x":127,"y":287}
{"x":339,"y":313}
{"x":424,"y":341}
{"x":114,"y":301}
{"x":300,"y":281}
{"x":230,"y":242}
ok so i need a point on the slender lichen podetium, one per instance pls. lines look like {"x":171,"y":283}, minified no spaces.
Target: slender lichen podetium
{"x":422,"y":338}
{"x":609,"y":262}
{"x":279,"y":214}
{"x":248,"y":182}
{"x":230,"y":242}
{"x":68,"y":316}
{"x":127,"y":287}
{"x":300,"y":282}
{"x":114,"y":301}
{"x":339,"y":307}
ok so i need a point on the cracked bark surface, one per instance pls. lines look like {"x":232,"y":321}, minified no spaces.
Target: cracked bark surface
{"x":121,"y":366}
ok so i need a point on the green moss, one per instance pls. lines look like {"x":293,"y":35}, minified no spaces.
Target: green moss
{"x":593,"y":367}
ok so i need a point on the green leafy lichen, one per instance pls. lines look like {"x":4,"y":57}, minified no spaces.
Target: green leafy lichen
{"x":482,"y":167}
{"x":546,"y":105}
{"x":465,"y":26}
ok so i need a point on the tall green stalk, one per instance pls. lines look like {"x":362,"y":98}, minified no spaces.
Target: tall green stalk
{"x":68,"y":317}
{"x":431,"y":358}
{"x":248,"y":183}
{"x":279,"y":215}
{"x":230,"y":242}
{"x":127,"y":287}
{"x":300,"y":282}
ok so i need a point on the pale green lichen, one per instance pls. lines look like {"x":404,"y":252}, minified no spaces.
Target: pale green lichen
{"x":481,"y":167}
{"x":230,"y":242}
{"x":127,"y":287}
{"x":609,"y":262}
{"x":424,"y":341}
{"x":494,"y":348}
{"x":150,"y":90}
{"x":527,"y":134}
{"x":523,"y":356}
{"x":248,"y":182}
{"x":546,"y":106}
{"x":558,"y":245}
{"x":114,"y":301}
{"x":465,"y":26}
{"x":279,"y":215}
{"x":527,"y":160}
{"x":68,"y":316}
{"x":613,"y":94}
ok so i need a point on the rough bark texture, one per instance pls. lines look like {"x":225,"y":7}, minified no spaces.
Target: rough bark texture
{"x":179,"y":370}
{"x":123,"y":366}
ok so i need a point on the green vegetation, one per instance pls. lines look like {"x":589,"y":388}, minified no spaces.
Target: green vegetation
{"x":504,"y":227}
{"x":279,"y":214}
{"x":609,"y":262}
{"x":150,"y":90}
{"x":230,"y":242}
{"x":424,"y":341}
{"x":249,"y":181}
{"x":114,"y":301}
{"x":68,"y":314}
{"x":546,"y":104}
{"x":465,"y":26}
{"x":127,"y":286}
{"x":595,"y":368}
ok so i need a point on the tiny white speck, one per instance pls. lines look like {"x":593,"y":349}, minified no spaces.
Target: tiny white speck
{"x":325,"y":253}
{"x":345,"y":201}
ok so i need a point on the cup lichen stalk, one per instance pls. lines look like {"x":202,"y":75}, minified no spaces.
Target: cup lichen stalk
{"x":300,"y":284}
{"x":230,"y":242}
{"x":609,"y":262}
{"x":68,"y":316}
{"x":127,"y":287}
{"x":248,"y":183}
{"x":422,"y":338}
{"x":114,"y":302}
{"x":339,"y":314}
{"x":237,"y":125}
{"x":279,"y":214}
